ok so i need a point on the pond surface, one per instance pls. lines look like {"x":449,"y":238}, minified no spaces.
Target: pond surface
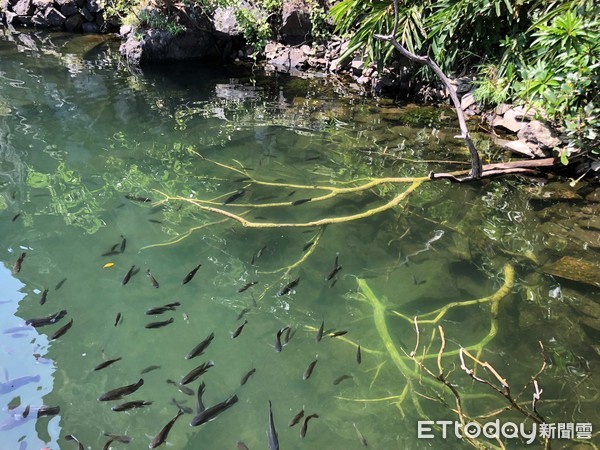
{"x":84,"y":141}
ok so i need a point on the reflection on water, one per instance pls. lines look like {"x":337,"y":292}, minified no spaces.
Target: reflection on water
{"x":86,"y":142}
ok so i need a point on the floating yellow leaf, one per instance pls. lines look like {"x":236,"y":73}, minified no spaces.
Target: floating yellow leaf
{"x":107,"y":265}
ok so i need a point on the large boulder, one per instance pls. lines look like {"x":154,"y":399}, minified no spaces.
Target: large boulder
{"x":22,"y":7}
{"x":296,"y":27}
{"x":226,"y":24}
{"x":54,"y":18}
{"x":539,"y":133}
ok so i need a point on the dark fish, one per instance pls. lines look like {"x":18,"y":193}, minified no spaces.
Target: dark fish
{"x":58,"y":333}
{"x":154,"y":221}
{"x":190,"y":275}
{"x":185,"y":409}
{"x":149,"y":369}
{"x":247,"y":286}
{"x":291,"y":193}
{"x":242,"y":313}
{"x":199,"y":349}
{"x":271,"y":432}
{"x":358,"y":355}
{"x":289,"y":334}
{"x":333,"y":282}
{"x":299,"y":415}
{"x":242,"y":446}
{"x":138,"y":199}
{"x":128,"y":276}
{"x":211,"y":413}
{"x":118,"y":319}
{"x":301,"y":201}
{"x":199,"y":403}
{"x":48,"y":411}
{"x":338,"y":333}
{"x":312,"y":158}
{"x":26,"y":412}
{"x":162,"y":434}
{"x":107,"y":363}
{"x":418,"y":282}
{"x":131,"y":405}
{"x":19,"y":263}
{"x":238,"y":330}
{"x":309,"y":370}
{"x":16,"y":217}
{"x":60,"y":283}
{"x":123,"y":244}
{"x":246,"y":377}
{"x":234,"y":196}
{"x":278,"y":346}
{"x":333,"y":273}
{"x":305,"y":424}
{"x":163,"y":309}
{"x":261,"y":251}
{"x":113,"y":250}
{"x":152,"y":279}
{"x":70,"y":437}
{"x":164,"y":323}
{"x":16,"y":383}
{"x":196,"y":372}
{"x":120,"y":392}
{"x":361,"y":437}
{"x":107,"y":445}
{"x":307,"y":246}
{"x":184,"y":389}
{"x":241,"y":180}
{"x":119,"y":438}
{"x":48,"y":320}
{"x":44,"y":296}
{"x":341,"y":378}
{"x":260,"y":217}
{"x":288,"y":287}
{"x":320,"y":332}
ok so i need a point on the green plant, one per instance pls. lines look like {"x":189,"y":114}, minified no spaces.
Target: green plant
{"x":318,"y":18}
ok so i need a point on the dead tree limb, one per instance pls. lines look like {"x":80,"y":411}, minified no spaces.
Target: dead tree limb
{"x":475,"y":173}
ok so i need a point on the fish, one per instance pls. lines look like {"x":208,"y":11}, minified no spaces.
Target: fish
{"x":307,"y":246}
{"x":26,"y":412}
{"x":190,"y":275}
{"x":337,"y":333}
{"x":131,"y":405}
{"x":15,"y":217}
{"x":288,"y":287}
{"x":320,"y":332}
{"x":278,"y":346}
{"x":44,"y":296}
{"x":128,"y":276}
{"x":341,"y":378}
{"x":60,"y":283}
{"x":336,"y":268}
{"x":358,"y":355}
{"x":154,"y":221}
{"x":48,"y":320}
{"x":246,"y":377}
{"x":199,"y":349}
{"x":113,"y":250}
{"x":152,"y":279}
{"x":312,"y":158}
{"x":196,"y":372}
{"x":241,"y":180}
{"x":333,"y":282}
{"x":118,"y":319}
{"x":305,"y":424}
{"x":185,"y":409}
{"x":238,"y":330}
{"x":199,"y":403}
{"x":184,"y":389}
{"x":234,"y":196}
{"x":107,"y":363}
{"x":261,"y":218}
{"x":261,"y":251}
{"x":247,"y":286}
{"x":138,"y":199}
{"x":161,"y":437}
{"x":288,"y":335}
{"x":242,"y":446}
{"x":309,"y":370}
{"x":120,"y":392}
{"x":242,"y":313}
{"x":271,"y":431}
{"x":363,"y":441}
{"x":162,"y":309}
{"x":299,"y":415}
{"x":418,"y":282}
{"x":301,"y":201}
{"x":58,"y":333}
{"x":149,"y":369}
{"x":107,"y":445}
{"x":164,"y":323}
{"x":19,"y":263}
{"x":119,"y":437}
{"x":70,"y":437}
{"x":123,"y":244}
{"x":47,"y":411}
{"x":211,"y":413}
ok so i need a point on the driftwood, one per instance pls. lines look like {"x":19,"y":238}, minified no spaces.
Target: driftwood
{"x":524,"y":167}
{"x":476,"y":170}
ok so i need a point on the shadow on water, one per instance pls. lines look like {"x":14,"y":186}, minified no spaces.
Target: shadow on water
{"x":85,"y":140}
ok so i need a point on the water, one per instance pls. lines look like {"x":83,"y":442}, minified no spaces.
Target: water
{"x":79,"y":132}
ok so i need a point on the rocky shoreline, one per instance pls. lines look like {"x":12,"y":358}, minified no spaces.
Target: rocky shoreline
{"x":293,"y":51}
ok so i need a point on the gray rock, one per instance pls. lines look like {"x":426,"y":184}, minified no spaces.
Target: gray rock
{"x":539,"y":133}
{"x":87,"y":14}
{"x":125,"y":30}
{"x":90,"y":27}
{"x":525,"y":148}
{"x":289,"y":58}
{"x":11,"y":17}
{"x":467,"y":100}
{"x":92,"y":5}
{"x":501,"y":109}
{"x":296,"y":26}
{"x":80,"y":3}
{"x":225,"y":23}
{"x":42,"y":4}
{"x":74,"y":23}
{"x":508,"y":121}
{"x":54,"y":18}
{"x":23,"y":7}
{"x":69,"y":9}
{"x":521,"y":112}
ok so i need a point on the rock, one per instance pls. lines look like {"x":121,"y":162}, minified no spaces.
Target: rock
{"x":125,"y":30}
{"x":25,"y":20}
{"x":539,"y":133}
{"x":74,"y":22}
{"x":225,"y":23}
{"x":288,"y":59}
{"x":594,"y":196}
{"x":356,"y":65}
{"x":467,"y":100}
{"x":69,"y":9}
{"x":575,"y":269}
{"x":10,"y":17}
{"x":521,"y":112}
{"x":42,"y":4}
{"x":501,"y":109}
{"x":92,"y":5}
{"x":22,"y":7}
{"x":524,"y":148}
{"x":296,"y":26}
{"x":87,"y":14}
{"x":90,"y":27}
{"x":508,"y":121}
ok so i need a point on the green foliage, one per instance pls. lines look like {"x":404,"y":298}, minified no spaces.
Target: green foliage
{"x":318,"y":18}
{"x":255,"y":26}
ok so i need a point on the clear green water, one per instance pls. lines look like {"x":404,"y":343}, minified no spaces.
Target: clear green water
{"x":79,"y":132}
